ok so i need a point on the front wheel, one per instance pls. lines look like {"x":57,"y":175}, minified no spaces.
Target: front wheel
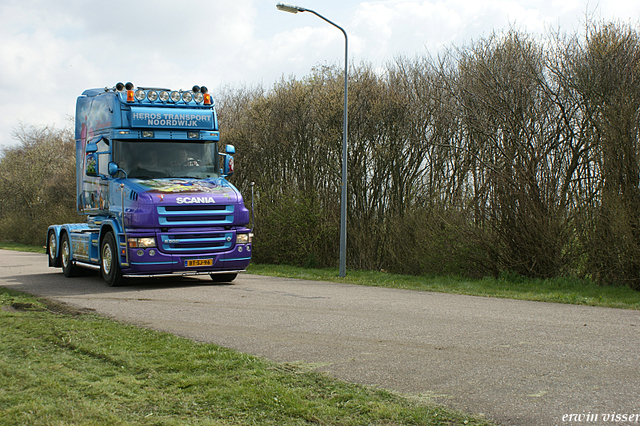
{"x":223,"y":278}
{"x":109,"y":261}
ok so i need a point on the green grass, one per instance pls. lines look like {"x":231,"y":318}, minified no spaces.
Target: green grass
{"x":22,"y":247}
{"x":557,"y":290}
{"x":63,"y":367}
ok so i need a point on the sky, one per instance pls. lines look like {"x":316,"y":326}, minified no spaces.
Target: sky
{"x":52,"y":50}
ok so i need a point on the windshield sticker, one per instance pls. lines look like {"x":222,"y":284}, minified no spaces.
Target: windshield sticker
{"x":182,"y":185}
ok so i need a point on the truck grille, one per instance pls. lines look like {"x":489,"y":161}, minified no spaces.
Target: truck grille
{"x":190,"y":242}
{"x":187,"y":215}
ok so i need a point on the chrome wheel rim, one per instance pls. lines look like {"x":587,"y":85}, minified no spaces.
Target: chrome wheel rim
{"x":52,"y":246}
{"x":107,"y":259}
{"x":66,"y":253}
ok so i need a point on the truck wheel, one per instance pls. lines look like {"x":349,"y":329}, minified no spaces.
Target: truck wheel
{"x":54,"y":259}
{"x":223,"y":278}
{"x":68,"y":268}
{"x":109,"y":261}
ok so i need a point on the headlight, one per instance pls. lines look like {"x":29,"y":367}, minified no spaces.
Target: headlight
{"x":144,"y":242}
{"x":243,"y":238}
{"x":164,"y":96}
{"x":152,"y":95}
{"x":187,"y":97}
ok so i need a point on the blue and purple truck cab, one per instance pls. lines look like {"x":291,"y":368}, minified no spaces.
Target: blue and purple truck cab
{"x":152,"y":183}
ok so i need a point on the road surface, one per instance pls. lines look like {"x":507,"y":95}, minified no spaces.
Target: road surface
{"x":516,"y":362}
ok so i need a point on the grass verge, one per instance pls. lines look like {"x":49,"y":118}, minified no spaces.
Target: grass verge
{"x":64,"y":367}
{"x":22,"y":247}
{"x":557,"y":290}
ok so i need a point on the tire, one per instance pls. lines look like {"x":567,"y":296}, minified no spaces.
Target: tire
{"x":52,"y":248}
{"x":223,"y":278}
{"x":110,"y":261}
{"x":68,"y":268}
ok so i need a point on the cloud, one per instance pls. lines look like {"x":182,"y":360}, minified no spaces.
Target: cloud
{"x":409,"y":27}
{"x":52,"y":50}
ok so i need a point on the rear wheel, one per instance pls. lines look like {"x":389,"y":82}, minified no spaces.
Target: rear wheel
{"x":68,"y":268}
{"x":54,"y":258}
{"x":223,"y":278}
{"x":109,"y":261}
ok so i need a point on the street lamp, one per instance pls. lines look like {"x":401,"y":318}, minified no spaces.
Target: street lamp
{"x":343,"y":207}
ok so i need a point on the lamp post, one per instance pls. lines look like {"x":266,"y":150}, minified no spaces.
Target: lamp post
{"x":343,"y":207}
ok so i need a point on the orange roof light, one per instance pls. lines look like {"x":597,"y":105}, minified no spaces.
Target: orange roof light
{"x":130,"y":95}
{"x":207,"y":96}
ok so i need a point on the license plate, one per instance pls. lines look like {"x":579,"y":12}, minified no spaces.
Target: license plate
{"x":198,"y":262}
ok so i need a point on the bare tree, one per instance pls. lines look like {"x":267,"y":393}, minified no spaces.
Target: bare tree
{"x":37,"y":183}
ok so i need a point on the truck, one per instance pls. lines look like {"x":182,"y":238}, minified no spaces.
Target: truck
{"x":153,"y":186}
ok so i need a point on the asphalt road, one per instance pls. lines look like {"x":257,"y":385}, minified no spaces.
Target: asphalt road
{"x":516,"y":362}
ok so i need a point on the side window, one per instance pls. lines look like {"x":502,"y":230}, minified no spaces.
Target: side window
{"x":97,"y":157}
{"x":104,"y":156}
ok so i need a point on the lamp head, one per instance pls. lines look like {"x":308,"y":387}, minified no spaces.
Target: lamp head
{"x":289,"y":8}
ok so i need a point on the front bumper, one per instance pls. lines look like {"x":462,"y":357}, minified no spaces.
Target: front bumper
{"x":151,"y":262}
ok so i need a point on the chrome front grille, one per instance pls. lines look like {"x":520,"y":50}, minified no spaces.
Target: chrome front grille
{"x":198,"y":214}
{"x":191,"y":242}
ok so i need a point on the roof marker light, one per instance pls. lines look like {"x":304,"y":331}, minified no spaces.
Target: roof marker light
{"x":175,"y":96}
{"x":140,"y":95}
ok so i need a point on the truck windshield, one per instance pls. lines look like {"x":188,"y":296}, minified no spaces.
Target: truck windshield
{"x":167,"y":159}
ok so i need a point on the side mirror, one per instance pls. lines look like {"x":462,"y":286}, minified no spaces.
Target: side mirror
{"x":113,"y":168}
{"x":230,"y":149}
